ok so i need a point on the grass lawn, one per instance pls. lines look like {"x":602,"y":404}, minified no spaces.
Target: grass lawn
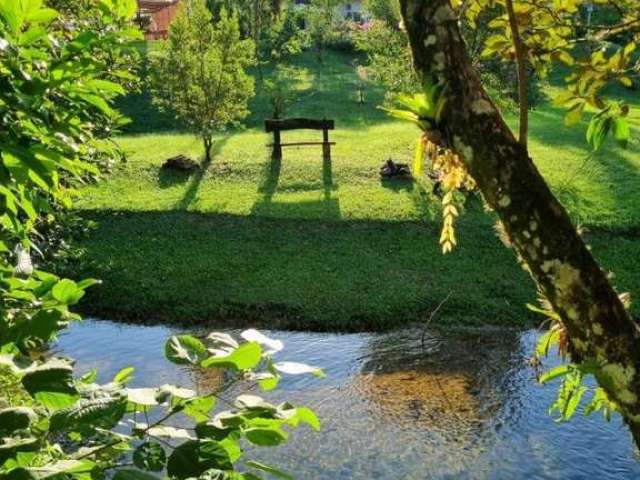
{"x":309,"y":244}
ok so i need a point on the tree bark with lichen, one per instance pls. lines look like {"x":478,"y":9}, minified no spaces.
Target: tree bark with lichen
{"x":538,"y":227}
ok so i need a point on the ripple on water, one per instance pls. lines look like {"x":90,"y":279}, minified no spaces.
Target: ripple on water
{"x":464,"y":405}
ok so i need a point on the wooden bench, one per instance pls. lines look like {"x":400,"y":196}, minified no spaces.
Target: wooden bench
{"x":277,"y":126}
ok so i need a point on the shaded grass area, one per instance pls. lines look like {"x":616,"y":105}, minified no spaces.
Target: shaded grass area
{"x":220,"y":269}
{"x":303,"y":243}
{"x":293,"y":273}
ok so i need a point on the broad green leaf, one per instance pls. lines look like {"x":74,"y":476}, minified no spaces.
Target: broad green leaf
{"x":61,"y":467}
{"x":265,"y":437}
{"x":554,"y":373}
{"x":246,"y":356}
{"x":150,"y":456}
{"x":198,"y":408}
{"x":67,"y":292}
{"x":573,"y":116}
{"x":418,"y":159}
{"x":103,"y":412}
{"x":184,"y":350}
{"x":12,"y":13}
{"x":51,"y":384}
{"x":546,"y":341}
{"x":194,"y":457}
{"x":131,"y":474}
{"x":268,"y":382}
{"x":621,"y":131}
{"x":308,"y":416}
{"x":42,"y":15}
{"x":124,"y":376}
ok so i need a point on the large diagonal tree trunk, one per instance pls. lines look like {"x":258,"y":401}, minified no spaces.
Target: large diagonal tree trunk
{"x":538,"y":226}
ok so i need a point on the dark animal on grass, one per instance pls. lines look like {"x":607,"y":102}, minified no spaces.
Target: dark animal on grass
{"x":180,"y":163}
{"x":391,"y":169}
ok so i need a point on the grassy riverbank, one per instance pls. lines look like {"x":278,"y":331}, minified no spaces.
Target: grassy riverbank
{"x":309,"y":244}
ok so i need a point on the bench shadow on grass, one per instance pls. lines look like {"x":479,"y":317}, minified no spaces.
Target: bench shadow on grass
{"x":326,"y":209}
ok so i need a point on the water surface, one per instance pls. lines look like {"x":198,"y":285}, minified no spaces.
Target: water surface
{"x":463,"y":405}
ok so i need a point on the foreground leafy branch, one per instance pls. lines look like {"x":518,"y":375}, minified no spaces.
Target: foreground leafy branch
{"x":59,"y":76}
{"x":75,"y":426}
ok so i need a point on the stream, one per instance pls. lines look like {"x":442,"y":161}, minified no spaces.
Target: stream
{"x":463,"y":405}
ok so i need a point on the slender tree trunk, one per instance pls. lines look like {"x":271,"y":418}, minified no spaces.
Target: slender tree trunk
{"x":520,"y":54}
{"x":208,"y":142}
{"x":538,"y":226}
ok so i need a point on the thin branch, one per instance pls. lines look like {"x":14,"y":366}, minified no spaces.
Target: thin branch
{"x":431,"y":317}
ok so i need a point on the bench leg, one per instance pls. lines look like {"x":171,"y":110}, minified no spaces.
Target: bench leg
{"x":276,"y":154}
{"x":326,"y":151}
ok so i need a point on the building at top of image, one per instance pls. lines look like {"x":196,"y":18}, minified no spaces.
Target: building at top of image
{"x":155,"y":16}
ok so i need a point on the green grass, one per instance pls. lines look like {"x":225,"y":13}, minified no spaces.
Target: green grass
{"x":309,"y":244}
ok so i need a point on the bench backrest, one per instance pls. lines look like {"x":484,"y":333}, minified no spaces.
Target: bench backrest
{"x":298,"y":124}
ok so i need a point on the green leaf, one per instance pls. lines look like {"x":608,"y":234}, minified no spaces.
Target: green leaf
{"x":269,"y":469}
{"x":554,"y":373}
{"x":51,"y":384}
{"x":269,"y":383}
{"x":185,"y":350}
{"x":418,"y":159}
{"x":150,"y":456}
{"x":194,"y":457}
{"x":61,"y":467}
{"x":265,"y":437}
{"x":12,"y":13}
{"x":573,"y":116}
{"x":88,"y":282}
{"x":621,"y":131}
{"x":102,"y":412}
{"x":308,"y":416}
{"x":67,"y":292}
{"x":124,"y":376}
{"x":244,"y":357}
{"x":105,"y":86}
{"x":546,"y":341}
{"x":131,"y":474}
{"x":198,"y":408}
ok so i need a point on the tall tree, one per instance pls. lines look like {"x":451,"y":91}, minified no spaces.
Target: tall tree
{"x":200,"y":72}
{"x":536,"y":223}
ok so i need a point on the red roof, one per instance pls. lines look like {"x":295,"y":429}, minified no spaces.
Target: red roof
{"x":158,"y":15}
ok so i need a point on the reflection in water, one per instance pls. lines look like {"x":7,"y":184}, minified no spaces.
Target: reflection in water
{"x":464,"y":406}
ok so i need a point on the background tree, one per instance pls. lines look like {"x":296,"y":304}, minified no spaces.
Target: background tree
{"x":199,"y":74}
{"x":387,"y":11}
{"x":389,"y":56}
{"x":321,"y":20}
{"x":602,"y":339}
